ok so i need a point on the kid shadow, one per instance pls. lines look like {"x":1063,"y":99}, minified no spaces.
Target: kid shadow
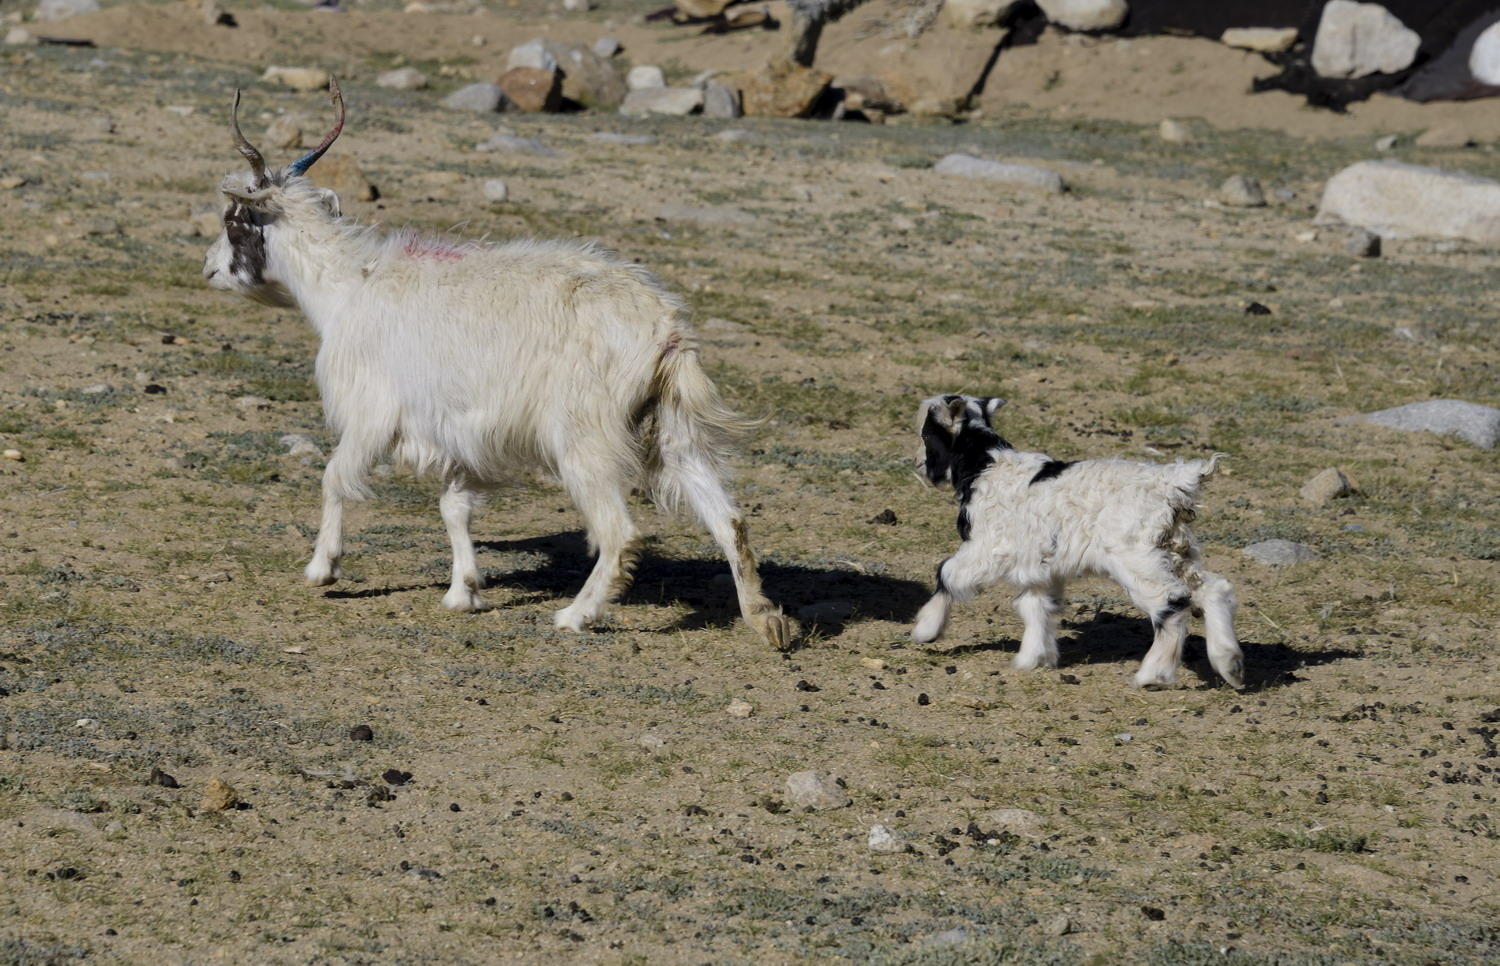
{"x":554,"y":567}
{"x":1124,"y":639}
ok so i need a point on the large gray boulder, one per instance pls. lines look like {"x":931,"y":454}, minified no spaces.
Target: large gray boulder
{"x":662,"y":100}
{"x":1020,"y":175}
{"x":588,"y":77}
{"x":482,"y":98}
{"x":1359,"y":39}
{"x":1399,"y":200}
{"x":1085,"y":14}
{"x":1472,"y":422}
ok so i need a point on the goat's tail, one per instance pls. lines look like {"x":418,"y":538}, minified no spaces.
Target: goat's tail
{"x":693,"y":432}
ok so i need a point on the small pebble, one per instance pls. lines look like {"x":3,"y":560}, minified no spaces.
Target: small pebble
{"x":740,"y":708}
{"x":14,"y":454}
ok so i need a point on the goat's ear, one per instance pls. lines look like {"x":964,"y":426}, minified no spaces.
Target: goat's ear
{"x":256,"y":198}
{"x":937,"y":444}
{"x":990,"y":405}
{"x":330,"y":202}
{"x":956,"y":407}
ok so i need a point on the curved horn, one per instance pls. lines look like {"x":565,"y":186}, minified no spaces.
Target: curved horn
{"x":301,"y":165}
{"x":257,"y":163}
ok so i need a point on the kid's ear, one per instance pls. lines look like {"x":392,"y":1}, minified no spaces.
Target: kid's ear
{"x":956,"y":406}
{"x":990,"y":406}
{"x":330,"y":201}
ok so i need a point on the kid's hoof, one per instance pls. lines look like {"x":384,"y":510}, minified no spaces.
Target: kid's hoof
{"x":778,"y":631}
{"x":321,"y":575}
{"x":463,"y":600}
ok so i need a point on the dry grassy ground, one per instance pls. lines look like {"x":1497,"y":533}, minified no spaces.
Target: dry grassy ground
{"x":1342,"y":810}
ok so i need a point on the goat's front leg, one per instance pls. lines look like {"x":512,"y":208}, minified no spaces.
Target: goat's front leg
{"x":1038,"y":609}
{"x":958,"y":578}
{"x":343,"y":479}
{"x":457,"y":506}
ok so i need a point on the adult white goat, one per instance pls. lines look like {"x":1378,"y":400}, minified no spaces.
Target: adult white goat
{"x":1036,"y":522}
{"x":470,"y":361}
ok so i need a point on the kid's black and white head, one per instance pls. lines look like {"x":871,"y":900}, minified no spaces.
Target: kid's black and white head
{"x":957,"y":436}
{"x":240,"y":258}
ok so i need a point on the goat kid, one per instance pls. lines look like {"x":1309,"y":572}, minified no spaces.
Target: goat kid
{"x":1036,"y":522}
{"x":470,"y":361}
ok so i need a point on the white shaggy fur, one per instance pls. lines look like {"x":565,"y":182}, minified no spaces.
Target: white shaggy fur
{"x":471,"y":361}
{"x":1114,"y":518}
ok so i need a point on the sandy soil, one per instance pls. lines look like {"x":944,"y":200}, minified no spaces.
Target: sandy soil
{"x":588,"y":797}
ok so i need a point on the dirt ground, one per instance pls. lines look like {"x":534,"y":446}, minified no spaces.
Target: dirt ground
{"x":588,"y":797}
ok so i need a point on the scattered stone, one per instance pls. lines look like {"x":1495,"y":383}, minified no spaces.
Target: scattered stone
{"x":783,"y":89}
{"x":341,"y":173}
{"x":721,"y":100}
{"x":644,"y":77}
{"x":1242,"y":192}
{"x":740,"y":708}
{"x":976,"y":14}
{"x":1365,"y":244}
{"x":534,"y":54}
{"x":1328,"y":485}
{"x":816,"y":789}
{"x":14,"y":454}
{"x":613,"y":137}
{"x":1279,"y":553}
{"x":285,"y":132}
{"x":249,"y":403}
{"x":1061,"y":925}
{"x":11,"y":182}
{"x":886,"y":518}
{"x":578,"y":6}
{"x":1387,"y":143}
{"x":705,"y":215}
{"x":651,"y":742}
{"x":511,"y":144}
{"x":495,"y":190}
{"x":873,"y":663}
{"x":885,"y":840}
{"x":734,"y":135}
{"x":826,"y":612}
{"x":219,"y":795}
{"x":361,"y":733}
{"x":402,"y":79}
{"x":1399,"y":200}
{"x":1017,"y":821}
{"x":532,"y":89}
{"x":298,"y":445}
{"x":1020,"y":175}
{"x":1085,"y":14}
{"x":605,"y":47}
{"x":297,"y":78}
{"x":63,"y":9}
{"x":1449,"y":135}
{"x":1359,"y":39}
{"x":20,"y":37}
{"x":159,"y":777}
{"x":673,"y":101}
{"x":588,"y":78}
{"x":1174,"y":131}
{"x":1266,"y":40}
{"x":1472,"y":422}
{"x":481,"y":97}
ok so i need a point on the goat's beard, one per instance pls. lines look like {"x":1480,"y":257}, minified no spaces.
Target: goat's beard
{"x":273,"y":294}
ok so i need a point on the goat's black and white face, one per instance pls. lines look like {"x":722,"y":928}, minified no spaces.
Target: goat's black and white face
{"x":259,"y":202}
{"x":955,"y":429}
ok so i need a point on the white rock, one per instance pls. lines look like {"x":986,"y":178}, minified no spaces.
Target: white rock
{"x":734,"y":135}
{"x":1484,"y":56}
{"x":402,"y":79}
{"x":97,"y":389}
{"x":250,"y":403}
{"x":512,"y":144}
{"x":1174,"y":131}
{"x":297,"y":78}
{"x":887,"y":840}
{"x":483,"y":98}
{"x":705,"y":214}
{"x":299,"y":445}
{"x":815,"y":789}
{"x":645,"y":76}
{"x":1328,"y":485}
{"x":721,"y":100}
{"x":495,"y":190}
{"x":1021,"y":175}
{"x":675,"y":101}
{"x":615,"y":137}
{"x":740,"y":708}
{"x":1267,"y":40}
{"x":1242,"y":192}
{"x":63,"y":9}
{"x":606,"y":47}
{"x":1399,"y":200}
{"x":1387,"y":143}
{"x":533,"y":53}
{"x":20,"y":37}
{"x":1279,"y":553}
{"x":651,"y":742}
{"x":13,"y":454}
{"x":578,"y":6}
{"x":1359,"y":39}
{"x":976,"y":14}
{"x":1085,"y":14}
{"x":1469,"y":421}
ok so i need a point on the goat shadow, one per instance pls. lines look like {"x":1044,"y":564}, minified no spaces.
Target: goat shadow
{"x":1110,"y":637}
{"x":560,"y":563}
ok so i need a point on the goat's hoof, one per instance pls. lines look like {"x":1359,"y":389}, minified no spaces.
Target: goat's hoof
{"x":1029,"y":662}
{"x":778,"y":630}
{"x":463,"y":600}
{"x":568,"y":619}
{"x":1155,"y":681}
{"x":321,"y":575}
{"x":1234,"y":675}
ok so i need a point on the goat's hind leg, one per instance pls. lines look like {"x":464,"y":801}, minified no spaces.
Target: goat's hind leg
{"x":1215,"y":596}
{"x":1165,"y":598}
{"x":343,"y":480}
{"x":958,"y":578}
{"x":611,"y":532}
{"x":457,"y":506}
